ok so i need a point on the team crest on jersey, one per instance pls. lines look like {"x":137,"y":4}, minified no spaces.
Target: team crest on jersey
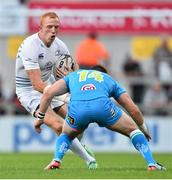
{"x":87,"y":87}
{"x":57,"y":53}
{"x":71,"y":120}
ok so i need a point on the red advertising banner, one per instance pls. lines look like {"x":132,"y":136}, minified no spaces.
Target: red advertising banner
{"x":116,"y":17}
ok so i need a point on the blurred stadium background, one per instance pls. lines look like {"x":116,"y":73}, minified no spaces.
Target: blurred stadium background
{"x":130,"y":29}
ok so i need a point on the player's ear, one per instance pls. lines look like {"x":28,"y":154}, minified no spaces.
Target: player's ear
{"x":40,"y":28}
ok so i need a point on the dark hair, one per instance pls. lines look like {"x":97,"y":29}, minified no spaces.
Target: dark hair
{"x":99,"y":68}
{"x":92,"y":35}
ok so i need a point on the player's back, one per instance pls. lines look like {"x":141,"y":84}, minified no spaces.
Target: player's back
{"x":91,"y":84}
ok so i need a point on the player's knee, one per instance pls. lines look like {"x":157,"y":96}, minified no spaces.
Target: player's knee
{"x":57,"y":127}
{"x":58,"y":130}
{"x":54,"y":124}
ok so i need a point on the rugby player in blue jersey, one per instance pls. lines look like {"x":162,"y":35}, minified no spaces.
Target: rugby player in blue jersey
{"x":90,"y":101}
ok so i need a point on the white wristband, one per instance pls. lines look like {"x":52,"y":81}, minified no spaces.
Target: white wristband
{"x":40,"y":116}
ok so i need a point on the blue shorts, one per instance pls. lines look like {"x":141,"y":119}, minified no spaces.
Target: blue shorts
{"x":102,"y":111}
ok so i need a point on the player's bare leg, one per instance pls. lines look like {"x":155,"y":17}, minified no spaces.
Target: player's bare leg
{"x":62,"y":112}
{"x":63,"y":144}
{"x":126,"y":126}
{"x":55,"y":122}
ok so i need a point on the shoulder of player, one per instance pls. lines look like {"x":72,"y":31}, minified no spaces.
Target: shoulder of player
{"x":32,"y":41}
{"x":60,"y":42}
{"x":109,"y":78}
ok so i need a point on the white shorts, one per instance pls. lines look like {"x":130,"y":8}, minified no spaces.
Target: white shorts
{"x":30,"y":100}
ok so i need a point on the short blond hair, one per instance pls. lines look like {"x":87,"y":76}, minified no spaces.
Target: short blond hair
{"x":48,"y":14}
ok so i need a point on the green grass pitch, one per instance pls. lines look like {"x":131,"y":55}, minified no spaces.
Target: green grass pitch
{"x":111,"y":166}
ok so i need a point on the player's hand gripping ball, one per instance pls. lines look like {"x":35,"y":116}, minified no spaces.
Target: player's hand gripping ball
{"x":63,"y":66}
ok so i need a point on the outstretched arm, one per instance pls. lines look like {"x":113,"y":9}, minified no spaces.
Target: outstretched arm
{"x":133,"y":110}
{"x":58,"y":88}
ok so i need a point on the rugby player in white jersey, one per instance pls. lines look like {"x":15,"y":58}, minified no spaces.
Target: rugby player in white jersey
{"x":34,"y":62}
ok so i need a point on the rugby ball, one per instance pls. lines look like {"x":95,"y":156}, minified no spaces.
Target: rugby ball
{"x":64,"y":60}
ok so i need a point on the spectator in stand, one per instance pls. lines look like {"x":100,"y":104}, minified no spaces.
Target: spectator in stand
{"x":23,"y":1}
{"x":163,"y":61}
{"x":91,"y":52}
{"x":155,"y":100}
{"x":169,"y":94}
{"x":2,"y":100}
{"x":133,"y":69}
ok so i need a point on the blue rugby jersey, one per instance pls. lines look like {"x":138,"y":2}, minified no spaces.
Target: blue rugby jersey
{"x":92,"y":84}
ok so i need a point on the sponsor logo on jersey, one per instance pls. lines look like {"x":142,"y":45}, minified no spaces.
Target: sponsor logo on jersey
{"x":71,"y":120}
{"x":48,"y":65}
{"x":87,"y":87}
{"x":57,"y":53}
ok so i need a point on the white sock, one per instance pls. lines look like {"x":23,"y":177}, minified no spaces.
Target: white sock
{"x":78,"y":149}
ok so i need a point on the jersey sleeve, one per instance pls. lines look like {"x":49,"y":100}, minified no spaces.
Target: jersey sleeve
{"x":116,"y":90}
{"x":66,"y":79}
{"x":29,"y":55}
{"x":63,"y":47}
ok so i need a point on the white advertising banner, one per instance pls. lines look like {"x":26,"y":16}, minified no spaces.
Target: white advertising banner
{"x":17,"y":134}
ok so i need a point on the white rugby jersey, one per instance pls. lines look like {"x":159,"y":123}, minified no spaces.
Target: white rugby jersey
{"x":33,"y":54}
